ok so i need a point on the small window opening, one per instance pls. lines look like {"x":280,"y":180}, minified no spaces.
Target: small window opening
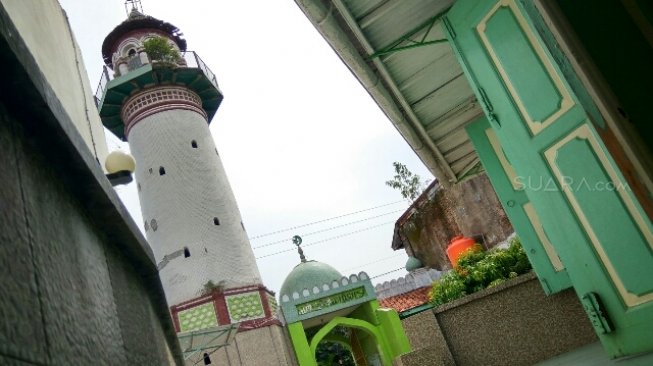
{"x":207,"y":359}
{"x":154,"y":225}
{"x":147,"y":226}
{"x":193,"y":144}
{"x":131,"y":52}
{"x":206,"y":250}
{"x":150,"y":170}
{"x":186,"y":252}
{"x":162,"y":171}
{"x":216,"y":221}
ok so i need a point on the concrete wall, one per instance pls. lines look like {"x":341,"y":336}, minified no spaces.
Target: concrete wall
{"x":257,"y":347}
{"x":511,"y":324}
{"x":78,"y":281}
{"x":470,"y":208}
{"x":45,"y":31}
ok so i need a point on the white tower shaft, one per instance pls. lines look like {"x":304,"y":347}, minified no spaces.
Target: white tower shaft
{"x":191,"y":217}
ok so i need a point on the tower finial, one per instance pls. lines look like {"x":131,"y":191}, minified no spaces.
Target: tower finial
{"x":297,"y":240}
{"x":135,"y":6}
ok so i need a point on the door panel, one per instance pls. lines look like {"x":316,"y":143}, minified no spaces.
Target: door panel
{"x":583,"y":170}
{"x":529,"y":76}
{"x":573,"y":187}
{"x":541,"y":253}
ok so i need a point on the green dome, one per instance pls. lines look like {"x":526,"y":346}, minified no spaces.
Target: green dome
{"x":413,"y":263}
{"x":307,"y":275}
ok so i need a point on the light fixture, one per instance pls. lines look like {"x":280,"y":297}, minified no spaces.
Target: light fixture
{"x":120,"y":166}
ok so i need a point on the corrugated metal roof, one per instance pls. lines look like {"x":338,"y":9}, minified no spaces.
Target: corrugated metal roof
{"x":426,"y":82}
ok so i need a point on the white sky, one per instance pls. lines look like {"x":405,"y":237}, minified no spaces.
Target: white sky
{"x":300,"y":138}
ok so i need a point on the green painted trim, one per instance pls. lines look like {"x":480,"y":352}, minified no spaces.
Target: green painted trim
{"x":414,"y":311}
{"x":391,"y":327}
{"x":146,"y":76}
{"x":300,"y":344}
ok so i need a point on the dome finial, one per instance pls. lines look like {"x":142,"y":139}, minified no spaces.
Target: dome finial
{"x":297,"y":240}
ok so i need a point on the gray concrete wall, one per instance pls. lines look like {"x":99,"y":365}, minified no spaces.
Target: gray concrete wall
{"x":469,"y":208}
{"x":78,"y":281}
{"x":511,"y":324}
{"x":264,"y":346}
{"x":47,"y":36}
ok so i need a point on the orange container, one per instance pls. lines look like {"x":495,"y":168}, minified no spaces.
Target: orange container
{"x":457,"y":246}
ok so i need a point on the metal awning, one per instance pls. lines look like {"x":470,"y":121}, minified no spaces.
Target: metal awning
{"x":399,"y":52}
{"x":196,"y":343}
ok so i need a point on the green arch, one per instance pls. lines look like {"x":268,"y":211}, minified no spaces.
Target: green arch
{"x":357,"y":324}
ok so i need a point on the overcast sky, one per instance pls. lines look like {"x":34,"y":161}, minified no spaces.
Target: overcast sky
{"x":300,"y":138}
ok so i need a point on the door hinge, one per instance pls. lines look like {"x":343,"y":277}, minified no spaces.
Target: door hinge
{"x":489,"y":109}
{"x":596,"y":312}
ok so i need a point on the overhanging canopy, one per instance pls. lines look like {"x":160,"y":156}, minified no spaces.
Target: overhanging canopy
{"x":398,"y":51}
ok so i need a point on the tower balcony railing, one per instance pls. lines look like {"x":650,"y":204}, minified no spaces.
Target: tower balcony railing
{"x":189,"y":59}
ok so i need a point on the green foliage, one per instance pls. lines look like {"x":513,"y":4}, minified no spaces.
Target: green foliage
{"x":409,"y":184}
{"x":160,"y":49}
{"x":329,"y":353}
{"x":333,"y":354}
{"x":477,"y":270}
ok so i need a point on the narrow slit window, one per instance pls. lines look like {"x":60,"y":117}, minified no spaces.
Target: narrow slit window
{"x":193,"y":144}
{"x":207,"y":359}
{"x":162,"y":171}
{"x":216,"y":221}
{"x":186,"y":252}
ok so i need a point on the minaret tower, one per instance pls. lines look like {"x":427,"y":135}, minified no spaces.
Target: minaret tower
{"x":161,"y":98}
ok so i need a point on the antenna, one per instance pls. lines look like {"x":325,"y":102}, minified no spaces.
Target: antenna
{"x":133,"y":5}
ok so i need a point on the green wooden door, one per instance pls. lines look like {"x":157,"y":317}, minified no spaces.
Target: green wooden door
{"x":580,"y":196}
{"x":541,"y":253}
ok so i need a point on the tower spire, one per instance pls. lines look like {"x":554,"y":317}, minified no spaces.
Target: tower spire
{"x":133,"y":5}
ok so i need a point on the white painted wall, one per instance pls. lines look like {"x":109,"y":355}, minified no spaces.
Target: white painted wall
{"x":45,"y":29}
{"x":184,"y":202}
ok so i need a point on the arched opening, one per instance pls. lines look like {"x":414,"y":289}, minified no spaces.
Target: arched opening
{"x":162,"y":170}
{"x":193,"y":144}
{"x":364,"y":340}
{"x":207,"y":359}
{"x":216,"y":221}
{"x":186,"y":252}
{"x":336,"y":349}
{"x":131,"y":52}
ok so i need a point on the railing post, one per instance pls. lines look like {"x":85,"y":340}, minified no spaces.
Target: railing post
{"x":197,"y":61}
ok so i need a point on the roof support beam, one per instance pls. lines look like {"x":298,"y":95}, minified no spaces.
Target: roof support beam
{"x":441,"y":169}
{"x":395,"y":46}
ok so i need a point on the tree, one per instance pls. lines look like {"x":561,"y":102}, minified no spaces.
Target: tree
{"x":159,"y":49}
{"x":409,"y":184}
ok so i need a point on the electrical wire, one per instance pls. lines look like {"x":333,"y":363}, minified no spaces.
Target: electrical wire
{"x":385,"y":273}
{"x":326,"y":240}
{"x":286,"y":240}
{"x":324,"y":220}
{"x":376,"y":261}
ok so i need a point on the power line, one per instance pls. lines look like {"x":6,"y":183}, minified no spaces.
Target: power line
{"x":327,"y":239}
{"x":324,"y":220}
{"x":325,"y":230}
{"x":376,"y":261}
{"x":383,"y":274}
